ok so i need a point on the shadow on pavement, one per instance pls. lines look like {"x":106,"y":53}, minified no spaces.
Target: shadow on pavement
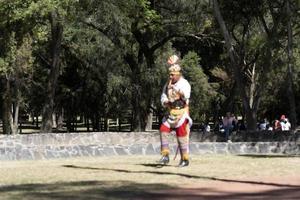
{"x":89,"y":190}
{"x":185,"y":176}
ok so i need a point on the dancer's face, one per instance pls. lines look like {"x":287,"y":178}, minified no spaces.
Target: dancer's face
{"x":174,"y":77}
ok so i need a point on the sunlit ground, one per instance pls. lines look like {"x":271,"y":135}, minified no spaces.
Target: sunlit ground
{"x":129,"y":177}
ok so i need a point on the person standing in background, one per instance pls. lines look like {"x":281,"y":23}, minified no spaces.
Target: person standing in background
{"x":228,"y":124}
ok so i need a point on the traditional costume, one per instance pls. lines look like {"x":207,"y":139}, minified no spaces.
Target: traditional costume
{"x":175,"y":97}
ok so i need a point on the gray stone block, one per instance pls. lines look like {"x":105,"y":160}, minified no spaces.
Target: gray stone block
{"x":275,"y":147}
{"x":84,"y":150}
{"x":205,"y":148}
{"x":2,"y":150}
{"x":98,"y":151}
{"x":38,"y":139}
{"x":18,"y":147}
{"x":2,"y":154}
{"x":48,"y":147}
{"x":263,"y":148}
{"x":37,"y":155}
{"x":137,"y":149}
{"x":150,"y":150}
{"x":290,"y":148}
{"x":75,"y":151}
{"x":251,"y":148}
{"x":10,"y":143}
{"x":194,"y":149}
{"x":50,"y":154}
{"x":121,"y":151}
{"x":91,"y":149}
{"x":64,"y":154}
{"x":108,"y":151}
{"x":221,"y":148}
{"x":25,"y":140}
{"x":26,"y":155}
{"x":157,"y":148}
{"x":10,"y":153}
{"x":235,"y":148}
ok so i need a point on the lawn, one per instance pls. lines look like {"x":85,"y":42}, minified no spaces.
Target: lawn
{"x":129,"y":177}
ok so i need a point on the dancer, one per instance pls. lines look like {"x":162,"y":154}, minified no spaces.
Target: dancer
{"x":175,"y":97}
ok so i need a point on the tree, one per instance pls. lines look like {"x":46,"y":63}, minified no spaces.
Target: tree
{"x":251,"y":55}
{"x":79,"y":59}
{"x":290,"y":71}
{"x":55,"y":48}
{"x":139,"y":29}
{"x":15,"y":59}
{"x":57,"y":11}
{"x":202,"y":92}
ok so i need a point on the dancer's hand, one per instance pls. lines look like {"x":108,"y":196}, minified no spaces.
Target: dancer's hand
{"x":167,"y":104}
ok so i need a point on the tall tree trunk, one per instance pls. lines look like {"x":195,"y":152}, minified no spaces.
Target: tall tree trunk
{"x":7,"y":108}
{"x":106,"y":125}
{"x":37,"y":120}
{"x":149,"y":122}
{"x":138,"y":117}
{"x":145,"y":57}
{"x":228,"y":105}
{"x":56,"y":36}
{"x":32,"y":118}
{"x":69,"y":123}
{"x":97,"y":121}
{"x":251,"y":118}
{"x":137,"y":123}
{"x":16,"y":108}
{"x":87,"y":122}
{"x":290,"y":90}
{"x":60,"y":119}
{"x":54,"y":124}
{"x":16,"y":105}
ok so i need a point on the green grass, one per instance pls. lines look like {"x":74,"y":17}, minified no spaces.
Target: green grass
{"x":106,"y":178}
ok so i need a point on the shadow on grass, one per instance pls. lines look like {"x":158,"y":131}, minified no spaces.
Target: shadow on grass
{"x":125,"y":190}
{"x":80,"y":190}
{"x":184,"y":176}
{"x":155,"y":165}
{"x":268,"y":156}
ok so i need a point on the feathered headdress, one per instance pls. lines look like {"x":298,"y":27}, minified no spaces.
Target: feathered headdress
{"x":173,"y":61}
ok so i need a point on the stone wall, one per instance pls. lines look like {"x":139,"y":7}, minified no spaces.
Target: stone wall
{"x":247,"y":136}
{"x":66,"y":145}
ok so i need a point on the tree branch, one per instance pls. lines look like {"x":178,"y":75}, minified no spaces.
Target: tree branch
{"x":47,"y":62}
{"x":163,"y":42}
{"x":264,"y":23}
{"x":105,"y":32}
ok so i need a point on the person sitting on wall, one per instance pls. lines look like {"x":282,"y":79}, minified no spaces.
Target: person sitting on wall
{"x":284,"y":123}
{"x":277,"y":125}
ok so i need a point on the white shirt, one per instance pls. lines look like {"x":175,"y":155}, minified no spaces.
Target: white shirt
{"x":285,"y":126}
{"x":207,"y":128}
{"x":182,"y":86}
{"x":263,"y":126}
{"x":289,"y":126}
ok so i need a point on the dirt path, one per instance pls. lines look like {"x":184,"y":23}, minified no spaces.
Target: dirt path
{"x":284,"y":188}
